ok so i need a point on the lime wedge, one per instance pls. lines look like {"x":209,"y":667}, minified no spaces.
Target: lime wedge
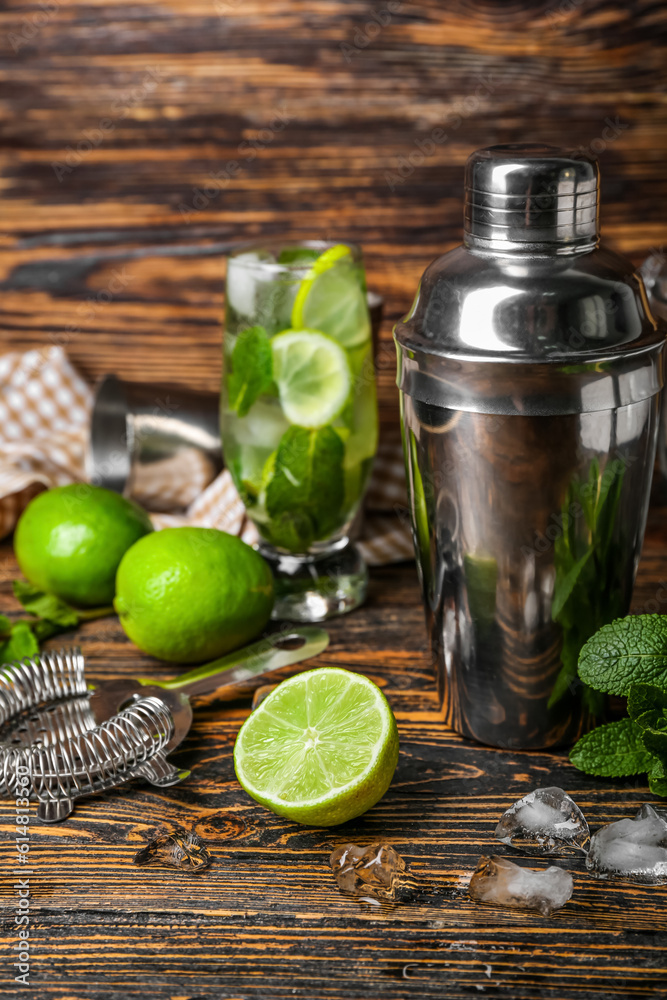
{"x":320,"y":749}
{"x":312,"y":375}
{"x":331,"y":298}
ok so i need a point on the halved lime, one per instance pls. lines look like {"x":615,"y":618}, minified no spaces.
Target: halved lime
{"x":312,"y":375}
{"x":321,"y":749}
{"x":331,"y":298}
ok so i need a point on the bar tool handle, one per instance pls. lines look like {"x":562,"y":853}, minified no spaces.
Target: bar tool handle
{"x":260,"y":658}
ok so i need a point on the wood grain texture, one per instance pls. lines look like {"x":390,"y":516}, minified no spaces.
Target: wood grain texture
{"x":117,"y":117}
{"x":120,"y":123}
{"x":266,"y":921}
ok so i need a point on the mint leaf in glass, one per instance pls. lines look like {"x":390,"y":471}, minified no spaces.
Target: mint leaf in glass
{"x":305,"y":494}
{"x":628,"y":651}
{"x":298,"y":255}
{"x":252,"y":369}
{"x":614,"y":750}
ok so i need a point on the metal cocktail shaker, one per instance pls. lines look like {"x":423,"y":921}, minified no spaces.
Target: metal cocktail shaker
{"x":530,"y":370}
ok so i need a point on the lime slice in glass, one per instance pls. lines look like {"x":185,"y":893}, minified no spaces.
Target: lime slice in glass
{"x":320,"y":749}
{"x":331,"y":298}
{"x":312,"y":375}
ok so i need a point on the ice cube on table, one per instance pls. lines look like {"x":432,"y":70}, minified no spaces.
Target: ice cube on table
{"x":635,"y":849}
{"x":498,"y":880}
{"x":546,"y":821}
{"x":377,"y":871}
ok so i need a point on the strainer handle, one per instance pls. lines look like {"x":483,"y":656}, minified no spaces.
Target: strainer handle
{"x":260,"y":658}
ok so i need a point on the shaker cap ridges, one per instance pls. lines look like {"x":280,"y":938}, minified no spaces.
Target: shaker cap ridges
{"x":522,"y":196}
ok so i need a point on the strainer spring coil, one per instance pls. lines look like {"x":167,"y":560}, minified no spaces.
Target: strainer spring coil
{"x":86,"y":763}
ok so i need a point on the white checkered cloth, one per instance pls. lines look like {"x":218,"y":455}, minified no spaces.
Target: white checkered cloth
{"x":45,"y":409}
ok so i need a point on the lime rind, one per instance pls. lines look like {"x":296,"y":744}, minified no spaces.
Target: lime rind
{"x":321,"y":749}
{"x":331,"y":299}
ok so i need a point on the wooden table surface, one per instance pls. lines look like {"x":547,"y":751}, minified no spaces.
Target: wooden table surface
{"x":117,"y":119}
{"x":266,"y":920}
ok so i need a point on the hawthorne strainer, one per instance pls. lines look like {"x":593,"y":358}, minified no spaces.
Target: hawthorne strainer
{"x":72,"y":738}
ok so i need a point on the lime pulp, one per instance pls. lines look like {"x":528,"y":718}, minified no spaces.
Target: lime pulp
{"x":312,"y":375}
{"x":320,"y":749}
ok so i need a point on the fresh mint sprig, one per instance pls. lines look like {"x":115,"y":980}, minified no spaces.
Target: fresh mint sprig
{"x":630,"y":651}
{"x":628,"y":658}
{"x":614,"y":750}
{"x":51,"y":615}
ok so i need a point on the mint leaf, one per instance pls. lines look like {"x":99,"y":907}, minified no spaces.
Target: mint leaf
{"x":21,"y":643}
{"x":647,"y":705}
{"x":294,"y":531}
{"x":43,"y":629}
{"x":44,"y":605}
{"x":252,"y":369}
{"x":298,"y":255}
{"x":657,"y":777}
{"x":53,"y":615}
{"x":305,"y":494}
{"x":628,"y":651}
{"x":612,"y":751}
{"x":643,"y":698}
{"x":654,"y":732}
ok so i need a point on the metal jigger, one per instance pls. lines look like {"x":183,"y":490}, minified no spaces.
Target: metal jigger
{"x":530,"y":373}
{"x":159,"y":444}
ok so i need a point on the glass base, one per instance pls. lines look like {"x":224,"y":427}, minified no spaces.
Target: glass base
{"x":314,"y":587}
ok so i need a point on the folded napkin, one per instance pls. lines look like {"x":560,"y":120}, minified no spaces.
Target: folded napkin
{"x":45,"y":409}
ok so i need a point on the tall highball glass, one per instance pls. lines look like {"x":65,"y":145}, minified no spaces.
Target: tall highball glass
{"x":298,"y":415}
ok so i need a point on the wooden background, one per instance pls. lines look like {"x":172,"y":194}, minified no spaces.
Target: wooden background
{"x":116,"y":117}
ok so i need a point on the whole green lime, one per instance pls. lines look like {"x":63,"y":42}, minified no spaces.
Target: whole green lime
{"x":70,"y":540}
{"x":191,"y":594}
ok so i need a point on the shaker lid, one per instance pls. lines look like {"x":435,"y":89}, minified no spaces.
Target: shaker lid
{"x":531,"y":194}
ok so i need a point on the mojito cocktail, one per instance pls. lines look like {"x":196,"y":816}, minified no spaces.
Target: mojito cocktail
{"x":299,"y":415}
